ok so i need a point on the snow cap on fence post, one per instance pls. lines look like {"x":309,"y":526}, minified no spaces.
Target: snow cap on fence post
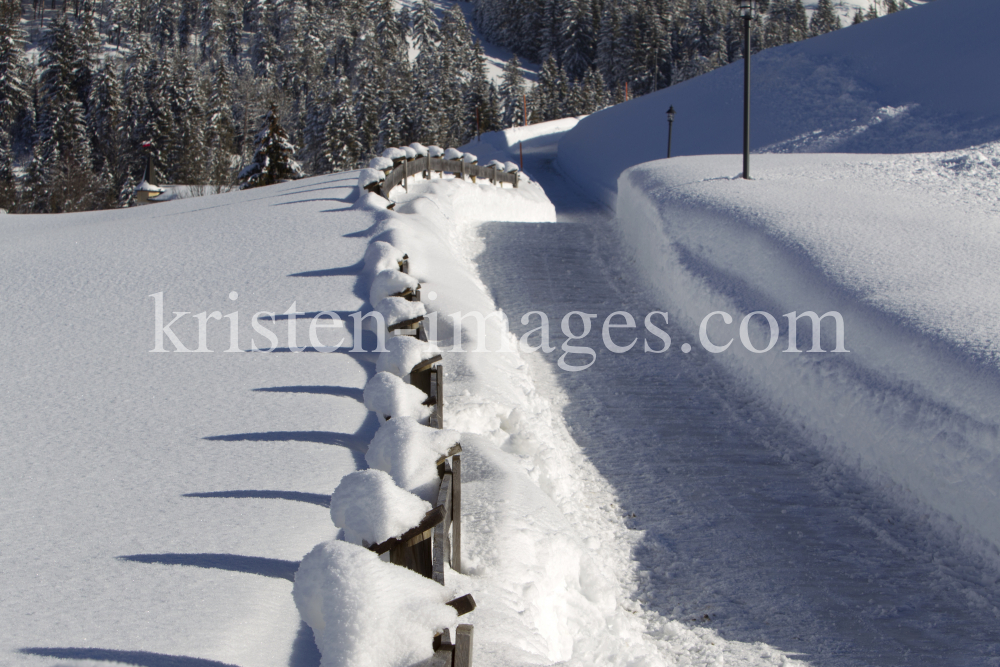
{"x":368,"y":613}
{"x":387,"y":395}
{"x":369,"y":507}
{"x":380,"y":256}
{"x":389,"y":282}
{"x":409,"y":452}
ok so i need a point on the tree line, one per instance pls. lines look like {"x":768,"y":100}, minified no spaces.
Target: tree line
{"x":91,"y":87}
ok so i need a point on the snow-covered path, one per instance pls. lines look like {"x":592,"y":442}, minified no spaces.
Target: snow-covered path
{"x":746,"y":530}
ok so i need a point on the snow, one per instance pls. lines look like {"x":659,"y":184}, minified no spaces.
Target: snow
{"x":369,"y":507}
{"x":420,"y":149}
{"x":387,"y":395}
{"x":396,"y":309}
{"x":394,"y":153}
{"x":409,"y":451}
{"x":435,"y":151}
{"x":348,"y":597}
{"x":157,"y":504}
{"x":381,"y":256}
{"x":368,"y":176}
{"x":469,"y":158}
{"x":409,"y":152}
{"x":380,"y":163}
{"x":913,"y":81}
{"x":403,"y":354}
{"x":389,"y":282}
{"x":908,"y":261}
{"x":453,"y":154}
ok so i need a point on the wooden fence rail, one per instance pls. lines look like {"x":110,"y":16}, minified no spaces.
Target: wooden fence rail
{"x":401,"y":173}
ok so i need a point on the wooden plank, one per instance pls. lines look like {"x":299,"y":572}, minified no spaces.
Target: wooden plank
{"x":439,"y":396}
{"x":455,"y":449}
{"x":463,"y":646}
{"x":441,"y":547}
{"x":456,"y":513}
{"x":431,"y":519}
{"x":415,"y":554}
{"x":463,"y":605}
{"x":406,"y":324}
{"x":426,"y":364}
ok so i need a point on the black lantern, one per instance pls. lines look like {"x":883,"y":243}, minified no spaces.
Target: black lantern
{"x":670,"y":127}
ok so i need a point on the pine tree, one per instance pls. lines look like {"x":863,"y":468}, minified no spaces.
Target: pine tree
{"x":60,"y":176}
{"x":426,"y":31}
{"x":824,"y":19}
{"x":786,"y":23}
{"x":341,"y":147}
{"x":512,"y":90}
{"x":273,"y":159}
{"x":14,"y":97}
{"x":579,"y":45}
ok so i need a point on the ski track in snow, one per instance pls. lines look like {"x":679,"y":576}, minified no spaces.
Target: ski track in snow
{"x":746,"y":530}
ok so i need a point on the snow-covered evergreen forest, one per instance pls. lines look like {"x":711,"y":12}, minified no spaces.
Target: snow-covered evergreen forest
{"x":83,"y":84}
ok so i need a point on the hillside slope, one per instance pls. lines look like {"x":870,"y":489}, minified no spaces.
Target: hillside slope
{"x":917,"y":80}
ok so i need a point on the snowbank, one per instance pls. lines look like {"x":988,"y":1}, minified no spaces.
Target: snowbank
{"x":906,"y":258}
{"x":369,"y":507}
{"x":546,"y":592}
{"x":368,"y":613}
{"x":916,"y":80}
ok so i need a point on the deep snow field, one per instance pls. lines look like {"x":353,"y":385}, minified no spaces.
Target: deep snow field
{"x":669,"y":506}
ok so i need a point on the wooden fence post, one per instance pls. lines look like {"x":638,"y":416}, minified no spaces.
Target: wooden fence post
{"x":463,"y":646}
{"x":456,"y":513}
{"x":441,"y":543}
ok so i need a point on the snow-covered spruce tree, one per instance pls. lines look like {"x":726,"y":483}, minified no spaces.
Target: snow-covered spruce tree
{"x":824,"y":19}
{"x":426,"y":32}
{"x":579,"y":45}
{"x":14,"y":97}
{"x":340,"y":146}
{"x":60,"y":176}
{"x":273,"y":159}
{"x":786,"y":23}
{"x":512,"y":93}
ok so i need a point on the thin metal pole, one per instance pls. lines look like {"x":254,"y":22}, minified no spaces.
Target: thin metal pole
{"x":746,"y":96}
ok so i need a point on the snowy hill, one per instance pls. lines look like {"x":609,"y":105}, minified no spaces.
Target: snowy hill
{"x":917,"y":80}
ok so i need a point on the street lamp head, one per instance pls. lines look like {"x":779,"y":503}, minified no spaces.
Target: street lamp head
{"x":746,"y":8}
{"x":670,"y":113}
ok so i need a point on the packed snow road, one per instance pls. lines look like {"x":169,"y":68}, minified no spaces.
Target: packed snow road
{"x":746,"y":530}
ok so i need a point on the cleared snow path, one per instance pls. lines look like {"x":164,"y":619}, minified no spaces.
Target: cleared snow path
{"x":746,"y":530}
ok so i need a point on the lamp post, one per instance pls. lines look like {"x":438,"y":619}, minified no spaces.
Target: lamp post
{"x":746,"y":10}
{"x":670,"y":127}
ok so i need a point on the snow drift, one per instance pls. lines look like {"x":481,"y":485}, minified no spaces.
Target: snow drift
{"x":913,"y":402}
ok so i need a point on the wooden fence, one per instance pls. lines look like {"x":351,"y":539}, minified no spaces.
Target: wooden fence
{"x":437,"y":539}
{"x":427,"y":165}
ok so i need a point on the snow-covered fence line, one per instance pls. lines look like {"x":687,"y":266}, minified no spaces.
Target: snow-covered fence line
{"x":405,"y":507}
{"x":401,"y":173}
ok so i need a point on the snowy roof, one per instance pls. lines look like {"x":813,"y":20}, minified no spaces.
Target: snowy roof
{"x":368,"y":176}
{"x":434,"y":151}
{"x":419,"y":148}
{"x":394,"y":153}
{"x":380,"y":163}
{"x":146,"y":186}
{"x":453,"y":154}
